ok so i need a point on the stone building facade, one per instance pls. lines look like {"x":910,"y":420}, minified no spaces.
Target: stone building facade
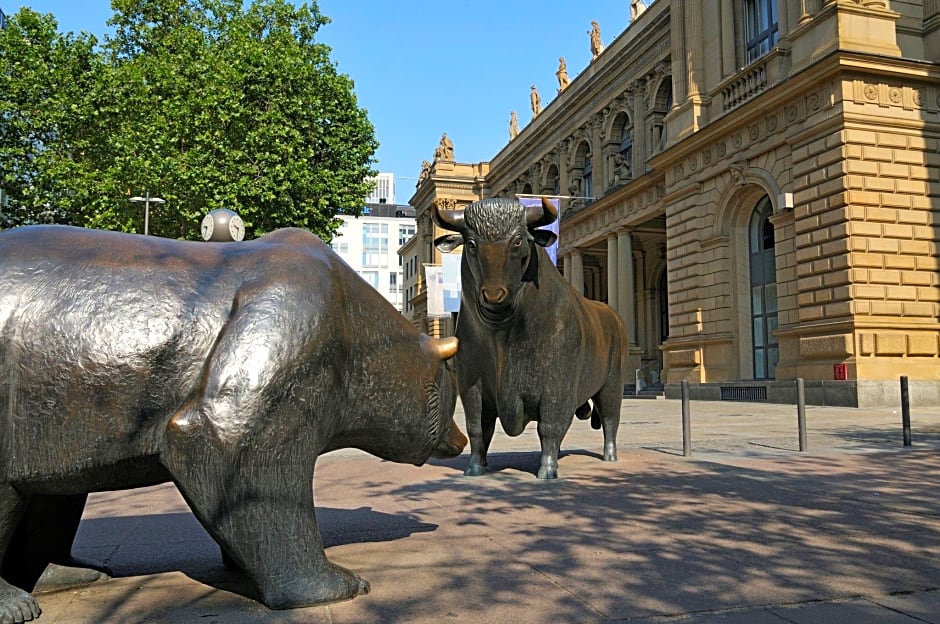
{"x":755,"y":186}
{"x":450,"y":185}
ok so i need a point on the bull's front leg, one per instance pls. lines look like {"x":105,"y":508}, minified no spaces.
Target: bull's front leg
{"x":552,"y":429}
{"x":479,"y":432}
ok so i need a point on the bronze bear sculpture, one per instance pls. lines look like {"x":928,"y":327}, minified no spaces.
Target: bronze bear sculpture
{"x":227,"y":368}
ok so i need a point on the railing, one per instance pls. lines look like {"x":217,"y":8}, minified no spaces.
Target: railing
{"x":638,"y":377}
{"x":743,"y":393}
{"x":746,"y":86}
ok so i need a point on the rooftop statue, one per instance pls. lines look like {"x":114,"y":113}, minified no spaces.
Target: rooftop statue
{"x":597,"y":46}
{"x":636,"y":8}
{"x":445,"y":149}
{"x":562,"y":74}
{"x":536,"y":102}
{"x":425,"y":172}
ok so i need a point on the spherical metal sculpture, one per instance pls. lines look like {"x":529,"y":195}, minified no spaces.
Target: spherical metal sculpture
{"x":222,"y":226}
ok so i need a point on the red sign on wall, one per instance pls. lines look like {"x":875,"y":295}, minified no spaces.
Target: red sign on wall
{"x":840,"y":372}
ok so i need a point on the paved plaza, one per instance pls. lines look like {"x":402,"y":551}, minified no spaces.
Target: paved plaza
{"x":746,"y":530}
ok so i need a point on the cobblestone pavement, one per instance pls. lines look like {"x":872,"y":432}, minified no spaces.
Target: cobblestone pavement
{"x":746,"y":530}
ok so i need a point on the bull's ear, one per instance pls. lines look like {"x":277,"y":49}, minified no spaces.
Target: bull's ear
{"x":545,"y":238}
{"x":448,"y":242}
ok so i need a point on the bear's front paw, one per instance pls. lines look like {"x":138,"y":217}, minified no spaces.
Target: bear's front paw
{"x":328,"y":583}
{"x":16,"y":606}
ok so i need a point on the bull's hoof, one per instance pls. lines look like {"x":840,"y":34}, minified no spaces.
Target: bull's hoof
{"x":547,"y":473}
{"x":610,"y":453}
{"x":16,"y":606}
{"x":474,"y":470}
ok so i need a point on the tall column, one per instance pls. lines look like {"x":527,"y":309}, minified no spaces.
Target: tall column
{"x":577,"y":272}
{"x":695,"y":49}
{"x":729,"y":64}
{"x":625,"y":293}
{"x":680,"y":60}
{"x":932,"y":29}
{"x":640,"y":152}
{"x":808,"y":8}
{"x":613,"y":262}
{"x":566,"y":267}
{"x":642,"y":320}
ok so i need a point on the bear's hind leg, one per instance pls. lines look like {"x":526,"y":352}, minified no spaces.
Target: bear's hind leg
{"x":40,"y":553}
{"x":16,"y":605}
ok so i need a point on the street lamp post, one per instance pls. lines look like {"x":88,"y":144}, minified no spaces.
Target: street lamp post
{"x":147,"y":200}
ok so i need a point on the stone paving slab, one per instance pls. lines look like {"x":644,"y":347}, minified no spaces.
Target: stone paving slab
{"x":847,"y":533}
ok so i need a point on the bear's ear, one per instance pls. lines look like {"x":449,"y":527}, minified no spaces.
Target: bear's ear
{"x":544,"y":238}
{"x":449,"y":242}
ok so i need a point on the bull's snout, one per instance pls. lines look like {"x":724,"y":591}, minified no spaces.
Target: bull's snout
{"x":452,"y":444}
{"x":494,"y":295}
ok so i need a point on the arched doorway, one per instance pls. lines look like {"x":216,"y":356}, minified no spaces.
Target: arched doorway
{"x":763,"y":283}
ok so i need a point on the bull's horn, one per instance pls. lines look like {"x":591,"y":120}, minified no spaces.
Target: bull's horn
{"x":537,"y":216}
{"x":443,"y":348}
{"x":446,"y":218}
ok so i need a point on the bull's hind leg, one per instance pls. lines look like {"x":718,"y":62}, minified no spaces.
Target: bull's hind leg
{"x":607,"y":406}
{"x":16,"y":605}
{"x":261,"y":514}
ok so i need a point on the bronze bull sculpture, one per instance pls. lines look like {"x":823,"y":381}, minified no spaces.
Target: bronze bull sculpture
{"x":531,"y":348}
{"x":127,"y":361}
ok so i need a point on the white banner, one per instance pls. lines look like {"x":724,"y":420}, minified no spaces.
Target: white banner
{"x":537,"y":201}
{"x":452,"y":287}
{"x":434,"y":284}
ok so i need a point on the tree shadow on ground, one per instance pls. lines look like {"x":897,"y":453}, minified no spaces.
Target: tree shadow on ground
{"x":665,"y":537}
{"x":650,"y":535}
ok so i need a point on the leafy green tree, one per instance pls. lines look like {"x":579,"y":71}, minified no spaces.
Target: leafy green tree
{"x":207,"y":105}
{"x":45,"y":122}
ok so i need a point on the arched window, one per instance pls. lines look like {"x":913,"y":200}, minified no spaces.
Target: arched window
{"x":661,"y":107}
{"x":626,"y":149}
{"x":588,"y":187}
{"x":553,"y":180}
{"x":763,"y":281}
{"x":760,"y":25}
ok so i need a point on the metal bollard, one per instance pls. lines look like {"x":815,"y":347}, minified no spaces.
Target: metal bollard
{"x":905,"y":411}
{"x":801,"y":412}
{"x":686,"y":420}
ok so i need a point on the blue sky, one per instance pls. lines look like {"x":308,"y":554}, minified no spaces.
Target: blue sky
{"x":425,"y":67}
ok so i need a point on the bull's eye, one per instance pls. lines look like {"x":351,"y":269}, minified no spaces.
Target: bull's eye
{"x":471,"y":244}
{"x":517,"y":242}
